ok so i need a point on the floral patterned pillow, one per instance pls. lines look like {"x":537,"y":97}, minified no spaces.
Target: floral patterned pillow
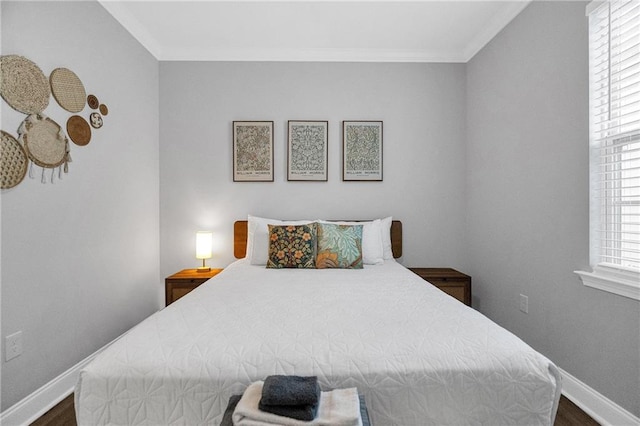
{"x":292,"y":246}
{"x":339,"y":246}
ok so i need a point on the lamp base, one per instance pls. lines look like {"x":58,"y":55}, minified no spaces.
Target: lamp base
{"x":203,"y":269}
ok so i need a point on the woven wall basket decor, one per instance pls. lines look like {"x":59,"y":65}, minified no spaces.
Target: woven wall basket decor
{"x":68,"y":90}
{"x":13,"y":161}
{"x":93,"y":101}
{"x":96,"y":120}
{"x":78,"y":130}
{"x":23,"y":85}
{"x":45,"y":142}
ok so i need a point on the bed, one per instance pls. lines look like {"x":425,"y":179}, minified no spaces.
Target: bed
{"x":417,"y":355}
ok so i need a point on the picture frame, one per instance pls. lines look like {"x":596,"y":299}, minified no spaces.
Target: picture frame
{"x":362,"y":150}
{"x":307,"y":150}
{"x":253,"y":151}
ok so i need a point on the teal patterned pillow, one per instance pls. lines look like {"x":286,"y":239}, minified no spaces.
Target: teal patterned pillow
{"x":339,"y":246}
{"x":292,"y":246}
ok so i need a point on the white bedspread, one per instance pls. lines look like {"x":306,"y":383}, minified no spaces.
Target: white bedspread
{"x":419,"y":356}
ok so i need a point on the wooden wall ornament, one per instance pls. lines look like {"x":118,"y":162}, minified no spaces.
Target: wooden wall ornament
{"x":78,"y":130}
{"x":93,"y":102}
{"x":13,"y":161}
{"x":68,"y":90}
{"x":104,"y":110}
{"x":23,"y":85}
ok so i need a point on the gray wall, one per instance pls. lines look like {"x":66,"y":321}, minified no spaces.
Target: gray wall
{"x":423,"y":109}
{"x":80,"y":257}
{"x":528,"y":201}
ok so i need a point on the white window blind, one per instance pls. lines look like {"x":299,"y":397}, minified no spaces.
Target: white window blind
{"x":614,"y":80}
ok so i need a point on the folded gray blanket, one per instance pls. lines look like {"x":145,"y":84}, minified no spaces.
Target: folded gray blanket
{"x":290,"y":390}
{"x":306,"y":412}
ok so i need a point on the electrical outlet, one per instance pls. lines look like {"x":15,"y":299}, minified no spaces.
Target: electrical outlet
{"x":13,"y":345}
{"x":524,"y":303}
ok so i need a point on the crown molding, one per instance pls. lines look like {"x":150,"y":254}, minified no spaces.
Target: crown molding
{"x":132,"y":26}
{"x":497,"y":24}
{"x":308,"y":55}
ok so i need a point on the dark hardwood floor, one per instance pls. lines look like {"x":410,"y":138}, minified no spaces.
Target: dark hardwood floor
{"x":63,"y":415}
{"x":570,"y":414}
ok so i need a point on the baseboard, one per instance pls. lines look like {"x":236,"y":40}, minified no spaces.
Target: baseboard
{"x":29,"y":409}
{"x":598,"y":406}
{"x":39,"y":402}
{"x":33,"y":406}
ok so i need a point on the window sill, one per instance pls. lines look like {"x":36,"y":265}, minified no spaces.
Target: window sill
{"x":622,"y":282}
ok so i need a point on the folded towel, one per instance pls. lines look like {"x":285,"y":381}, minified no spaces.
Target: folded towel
{"x":234,"y":399}
{"x":290,"y":390}
{"x":228,"y":412}
{"x":340,"y":407}
{"x":305,"y":412}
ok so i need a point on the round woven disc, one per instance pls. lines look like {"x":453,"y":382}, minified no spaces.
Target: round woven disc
{"x":13,"y":161}
{"x":92,"y":101}
{"x":96,"y":120}
{"x":23,"y":85}
{"x":103,"y":109}
{"x":68,"y":89}
{"x":44,"y":141}
{"x":78,"y":130}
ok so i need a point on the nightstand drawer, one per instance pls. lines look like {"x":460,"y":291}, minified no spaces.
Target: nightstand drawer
{"x":457,"y":291}
{"x":181,"y":283}
{"x":178,"y":292}
{"x":452,"y":282}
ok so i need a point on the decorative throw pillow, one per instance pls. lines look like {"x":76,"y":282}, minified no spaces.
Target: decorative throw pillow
{"x":292,"y":246}
{"x":372,"y":249}
{"x":385,"y":228}
{"x":258,"y":237}
{"x":339,"y":246}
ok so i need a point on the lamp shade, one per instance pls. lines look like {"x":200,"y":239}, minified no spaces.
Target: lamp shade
{"x":204,"y":241}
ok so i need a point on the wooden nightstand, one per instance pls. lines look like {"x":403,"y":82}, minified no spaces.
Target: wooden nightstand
{"x":449,"y":280}
{"x":181,"y":283}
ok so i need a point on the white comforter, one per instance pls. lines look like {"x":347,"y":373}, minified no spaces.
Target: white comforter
{"x":419,"y":356}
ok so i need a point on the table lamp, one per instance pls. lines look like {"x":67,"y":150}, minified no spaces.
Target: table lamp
{"x":203,"y":248}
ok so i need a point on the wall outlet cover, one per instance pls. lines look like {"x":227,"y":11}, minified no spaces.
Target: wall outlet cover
{"x":13,"y":345}
{"x":524,"y":303}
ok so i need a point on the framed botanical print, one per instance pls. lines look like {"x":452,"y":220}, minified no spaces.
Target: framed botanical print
{"x":307,"y":150}
{"x":253,"y":151}
{"x":362,"y":150}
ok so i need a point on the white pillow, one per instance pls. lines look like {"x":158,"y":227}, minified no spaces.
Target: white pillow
{"x":372,"y":247}
{"x":385,"y":227}
{"x":258,"y":237}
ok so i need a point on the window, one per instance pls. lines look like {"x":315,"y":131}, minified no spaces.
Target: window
{"x":614,"y":132}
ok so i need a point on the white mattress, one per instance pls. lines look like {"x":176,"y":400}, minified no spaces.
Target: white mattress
{"x":419,"y":356}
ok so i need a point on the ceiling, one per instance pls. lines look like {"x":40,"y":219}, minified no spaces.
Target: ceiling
{"x":307,"y":30}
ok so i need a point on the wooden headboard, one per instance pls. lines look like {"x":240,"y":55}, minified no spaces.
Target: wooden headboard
{"x":240,"y":238}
